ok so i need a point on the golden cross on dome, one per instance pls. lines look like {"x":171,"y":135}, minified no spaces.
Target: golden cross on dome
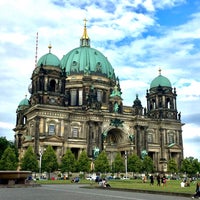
{"x":159,"y":71}
{"x":50,"y":47}
{"x":85,"y":20}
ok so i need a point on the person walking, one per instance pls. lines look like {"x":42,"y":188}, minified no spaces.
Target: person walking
{"x":151,"y":179}
{"x":158,"y":180}
{"x":197,"y":194}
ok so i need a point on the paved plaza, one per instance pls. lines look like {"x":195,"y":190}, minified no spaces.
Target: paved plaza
{"x":76,"y":192}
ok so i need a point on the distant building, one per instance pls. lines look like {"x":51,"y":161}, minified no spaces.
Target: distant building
{"x":76,"y":103}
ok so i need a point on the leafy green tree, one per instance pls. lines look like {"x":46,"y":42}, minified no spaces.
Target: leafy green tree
{"x":49,"y":161}
{"x":172,"y":166}
{"x":68,"y":162}
{"x":119,"y":163}
{"x":29,"y":161}
{"x":83,"y":163}
{"x":134,"y":164}
{"x":4,"y":143}
{"x":190,"y":166}
{"x":9,"y":160}
{"x":196,"y":165}
{"x":147,"y":165}
{"x":101,"y":164}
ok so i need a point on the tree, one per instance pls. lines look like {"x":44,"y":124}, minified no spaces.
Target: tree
{"x":147,"y":164}
{"x":172,"y":166}
{"x":49,"y":161}
{"x":134,"y":163}
{"x":119,"y":163}
{"x":68,"y":162}
{"x":4,"y":143}
{"x":190,"y":166}
{"x":196,"y":166}
{"x":101,"y":164}
{"x":29,"y":161}
{"x":83,"y":163}
{"x":8,"y":160}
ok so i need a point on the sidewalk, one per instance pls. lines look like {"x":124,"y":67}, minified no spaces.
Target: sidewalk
{"x":148,"y":191}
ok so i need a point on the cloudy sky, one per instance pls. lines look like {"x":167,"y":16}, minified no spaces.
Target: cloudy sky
{"x":137,"y":36}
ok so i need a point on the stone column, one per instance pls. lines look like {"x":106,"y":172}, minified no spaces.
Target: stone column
{"x":36,"y":135}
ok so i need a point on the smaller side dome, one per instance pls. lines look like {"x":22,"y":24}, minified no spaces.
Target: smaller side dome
{"x":49,"y":59}
{"x":24,"y":103}
{"x":160,"y":81}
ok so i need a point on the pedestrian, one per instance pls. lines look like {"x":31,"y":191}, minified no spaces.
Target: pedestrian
{"x":164,"y":180}
{"x":158,"y":180}
{"x":151,"y":179}
{"x":197,"y":194}
{"x":144,"y":179}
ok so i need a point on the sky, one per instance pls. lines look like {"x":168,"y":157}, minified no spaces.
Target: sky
{"x":137,"y":36}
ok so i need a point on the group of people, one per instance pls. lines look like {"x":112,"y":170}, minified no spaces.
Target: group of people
{"x":161,"y":180}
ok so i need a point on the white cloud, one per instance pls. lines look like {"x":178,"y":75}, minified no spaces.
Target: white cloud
{"x":127,"y":32}
{"x":5,"y":125}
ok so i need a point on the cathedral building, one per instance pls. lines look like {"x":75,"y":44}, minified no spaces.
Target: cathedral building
{"x":75,"y":103}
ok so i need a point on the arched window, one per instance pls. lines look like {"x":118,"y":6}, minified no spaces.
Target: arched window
{"x":150,"y":138}
{"x":73,"y":94}
{"x":75,"y":133}
{"x":171,"y":138}
{"x":52,"y":85}
{"x":24,"y":120}
{"x":99,"y":95}
{"x":154,"y":104}
{"x":104,"y":97}
{"x":80,"y":97}
{"x":168,"y":103}
{"x":51,"y":129}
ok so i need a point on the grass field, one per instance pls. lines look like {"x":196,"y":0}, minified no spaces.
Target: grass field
{"x":171,"y":185}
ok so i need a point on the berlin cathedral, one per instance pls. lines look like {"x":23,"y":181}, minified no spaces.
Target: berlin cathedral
{"x":75,"y":103}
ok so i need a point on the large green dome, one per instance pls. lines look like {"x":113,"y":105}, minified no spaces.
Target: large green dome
{"x":160,"y":81}
{"x":86,"y":60}
{"x":49,"y":59}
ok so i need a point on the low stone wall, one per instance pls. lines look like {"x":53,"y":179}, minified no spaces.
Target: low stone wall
{"x":14,"y":177}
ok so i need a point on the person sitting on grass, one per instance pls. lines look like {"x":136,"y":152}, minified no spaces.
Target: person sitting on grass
{"x":105,"y":183}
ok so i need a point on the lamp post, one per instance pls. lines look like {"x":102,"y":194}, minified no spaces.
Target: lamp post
{"x":126,"y":163}
{"x":40,"y":164}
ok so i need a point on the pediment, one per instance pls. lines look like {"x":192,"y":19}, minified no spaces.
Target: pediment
{"x":174,"y":146}
{"x":53,"y":138}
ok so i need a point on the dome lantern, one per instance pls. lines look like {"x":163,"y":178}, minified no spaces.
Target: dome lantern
{"x":85,"y":40}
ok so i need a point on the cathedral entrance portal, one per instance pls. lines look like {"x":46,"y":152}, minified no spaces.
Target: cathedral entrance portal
{"x":114,"y":137}
{"x":115,"y":141}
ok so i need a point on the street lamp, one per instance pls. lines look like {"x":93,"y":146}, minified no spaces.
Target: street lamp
{"x":126,"y":163}
{"x":40,"y":164}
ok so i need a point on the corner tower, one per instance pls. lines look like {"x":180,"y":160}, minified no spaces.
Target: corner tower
{"x":161,"y":99}
{"x":48,"y":81}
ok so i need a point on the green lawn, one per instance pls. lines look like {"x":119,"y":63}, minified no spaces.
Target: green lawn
{"x":171,"y":186}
